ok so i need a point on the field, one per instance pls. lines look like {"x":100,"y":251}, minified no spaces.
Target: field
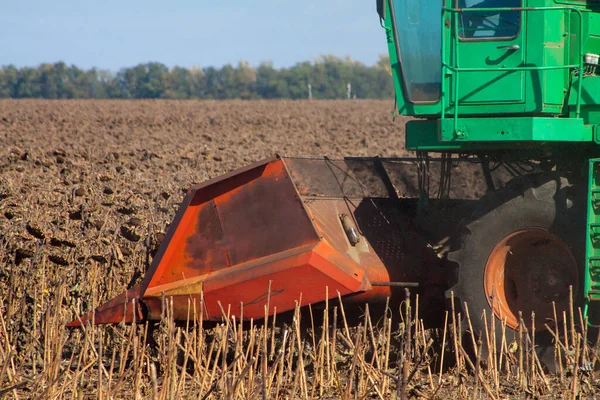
{"x":87,"y":190}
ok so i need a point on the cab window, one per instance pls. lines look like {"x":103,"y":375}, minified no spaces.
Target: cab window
{"x":489,"y":24}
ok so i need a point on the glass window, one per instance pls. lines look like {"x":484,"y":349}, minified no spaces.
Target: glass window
{"x":492,"y":24}
{"x":418,"y":26}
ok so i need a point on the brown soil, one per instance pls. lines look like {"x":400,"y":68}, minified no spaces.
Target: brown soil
{"x":83,"y":179}
{"x":78,"y":171}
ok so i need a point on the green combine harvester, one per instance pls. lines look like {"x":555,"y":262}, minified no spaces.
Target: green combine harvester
{"x":511,"y":88}
{"x":515,"y":83}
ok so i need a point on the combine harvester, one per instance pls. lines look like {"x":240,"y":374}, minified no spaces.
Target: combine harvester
{"x":515,"y":88}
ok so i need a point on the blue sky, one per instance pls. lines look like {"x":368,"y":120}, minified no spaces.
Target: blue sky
{"x":111,"y":34}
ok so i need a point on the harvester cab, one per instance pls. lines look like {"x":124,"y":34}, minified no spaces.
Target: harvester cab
{"x":510,"y":87}
{"x":526,"y":62}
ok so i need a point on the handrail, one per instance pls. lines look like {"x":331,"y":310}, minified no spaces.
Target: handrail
{"x":454,"y":70}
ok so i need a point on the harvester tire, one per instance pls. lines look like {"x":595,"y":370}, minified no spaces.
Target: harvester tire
{"x":520,"y":248}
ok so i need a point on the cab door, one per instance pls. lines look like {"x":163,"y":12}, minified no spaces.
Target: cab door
{"x":488,"y":39}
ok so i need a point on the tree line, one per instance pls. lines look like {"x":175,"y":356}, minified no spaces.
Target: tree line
{"x":328,"y":77}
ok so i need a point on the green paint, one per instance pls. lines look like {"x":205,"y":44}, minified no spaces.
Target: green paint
{"x":494,"y":134}
{"x":539,"y":129}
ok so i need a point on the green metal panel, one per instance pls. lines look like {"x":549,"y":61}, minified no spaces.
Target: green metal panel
{"x":549,"y":85}
{"x":423,"y":135}
{"x":493,"y":133}
{"x":544,"y":129}
{"x":486,"y":52}
{"x":590,"y":97}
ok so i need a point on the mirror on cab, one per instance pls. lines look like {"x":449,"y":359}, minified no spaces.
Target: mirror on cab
{"x":381,"y":8}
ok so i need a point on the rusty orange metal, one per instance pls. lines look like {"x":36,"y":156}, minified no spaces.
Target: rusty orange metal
{"x":281,"y":224}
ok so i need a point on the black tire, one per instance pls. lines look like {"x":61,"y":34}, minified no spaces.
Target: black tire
{"x":545,"y":202}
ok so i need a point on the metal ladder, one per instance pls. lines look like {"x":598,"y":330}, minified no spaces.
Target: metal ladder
{"x":592,"y":246}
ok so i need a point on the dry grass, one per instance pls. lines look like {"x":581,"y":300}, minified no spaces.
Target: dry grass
{"x":393,"y":357}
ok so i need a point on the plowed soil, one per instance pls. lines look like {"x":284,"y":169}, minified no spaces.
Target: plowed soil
{"x":91,"y":181}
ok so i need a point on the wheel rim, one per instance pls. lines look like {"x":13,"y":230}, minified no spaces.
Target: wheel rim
{"x":527,"y":271}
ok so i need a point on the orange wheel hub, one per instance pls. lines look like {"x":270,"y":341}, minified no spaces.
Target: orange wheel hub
{"x":528,"y":271}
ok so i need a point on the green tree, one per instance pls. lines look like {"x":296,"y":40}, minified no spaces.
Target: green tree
{"x":179,"y":84}
{"x":270,"y":83}
{"x":9,"y":77}
{"x":328,"y":77}
{"x":53,"y":80}
{"x":28,"y":83}
{"x":245,"y":81}
{"x":298,"y":78}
